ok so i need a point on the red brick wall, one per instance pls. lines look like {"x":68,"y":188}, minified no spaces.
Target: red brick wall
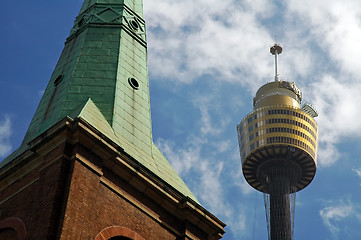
{"x":39,"y":204}
{"x":93,"y":207}
{"x":68,"y":200}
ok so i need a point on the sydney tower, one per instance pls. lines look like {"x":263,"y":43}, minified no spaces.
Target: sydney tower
{"x":278,"y":146}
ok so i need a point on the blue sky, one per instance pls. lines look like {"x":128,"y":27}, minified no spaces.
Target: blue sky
{"x":206,"y":60}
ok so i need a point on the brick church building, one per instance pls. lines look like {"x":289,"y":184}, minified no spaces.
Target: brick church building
{"x":87,"y":167}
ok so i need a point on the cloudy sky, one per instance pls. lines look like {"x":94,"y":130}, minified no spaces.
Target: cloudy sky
{"x":206,"y":60}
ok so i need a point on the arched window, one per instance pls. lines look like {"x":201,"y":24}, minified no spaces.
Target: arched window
{"x":12,"y":229}
{"x":8,"y":234}
{"x":118,"y":233}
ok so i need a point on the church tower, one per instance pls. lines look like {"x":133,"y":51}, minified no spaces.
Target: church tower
{"x":87,"y":167}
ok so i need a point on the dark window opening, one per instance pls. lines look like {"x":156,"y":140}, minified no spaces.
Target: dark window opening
{"x":119,"y":238}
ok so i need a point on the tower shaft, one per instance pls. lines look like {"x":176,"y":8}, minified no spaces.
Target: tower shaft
{"x":279,"y":180}
{"x":280,"y":217}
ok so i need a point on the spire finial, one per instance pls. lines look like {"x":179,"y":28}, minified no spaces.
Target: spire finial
{"x":275,"y":50}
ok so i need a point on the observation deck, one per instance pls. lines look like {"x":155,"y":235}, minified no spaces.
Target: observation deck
{"x":277,"y":130}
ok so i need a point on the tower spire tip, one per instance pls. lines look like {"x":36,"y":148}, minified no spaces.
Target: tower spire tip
{"x":276,"y":50}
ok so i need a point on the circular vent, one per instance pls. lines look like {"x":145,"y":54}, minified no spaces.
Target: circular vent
{"x":134,"y":24}
{"x":80,"y":23}
{"x":133,"y":83}
{"x":58,"y":79}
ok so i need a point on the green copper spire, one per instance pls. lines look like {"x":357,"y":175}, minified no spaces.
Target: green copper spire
{"x":106,"y":47}
{"x":102,"y":77}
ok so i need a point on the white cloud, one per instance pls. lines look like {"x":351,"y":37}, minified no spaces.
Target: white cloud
{"x":229,"y":42}
{"x":209,"y":107}
{"x":338,"y":106}
{"x":336,"y":215}
{"x":206,"y":180}
{"x":222,"y":146}
{"x":334,"y":27}
{"x":210,"y":187}
{"x":358,"y":172}
{"x":245,"y":187}
{"x":205,"y":174}
{"x":41,"y":93}
{"x":181,"y":159}
{"x":5,"y":133}
{"x":221,"y":40}
{"x":332,"y":215}
{"x":206,"y":122}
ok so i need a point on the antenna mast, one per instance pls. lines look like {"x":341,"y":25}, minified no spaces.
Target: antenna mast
{"x":275,"y":50}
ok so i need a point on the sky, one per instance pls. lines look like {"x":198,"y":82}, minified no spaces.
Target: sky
{"x":206,"y":60}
